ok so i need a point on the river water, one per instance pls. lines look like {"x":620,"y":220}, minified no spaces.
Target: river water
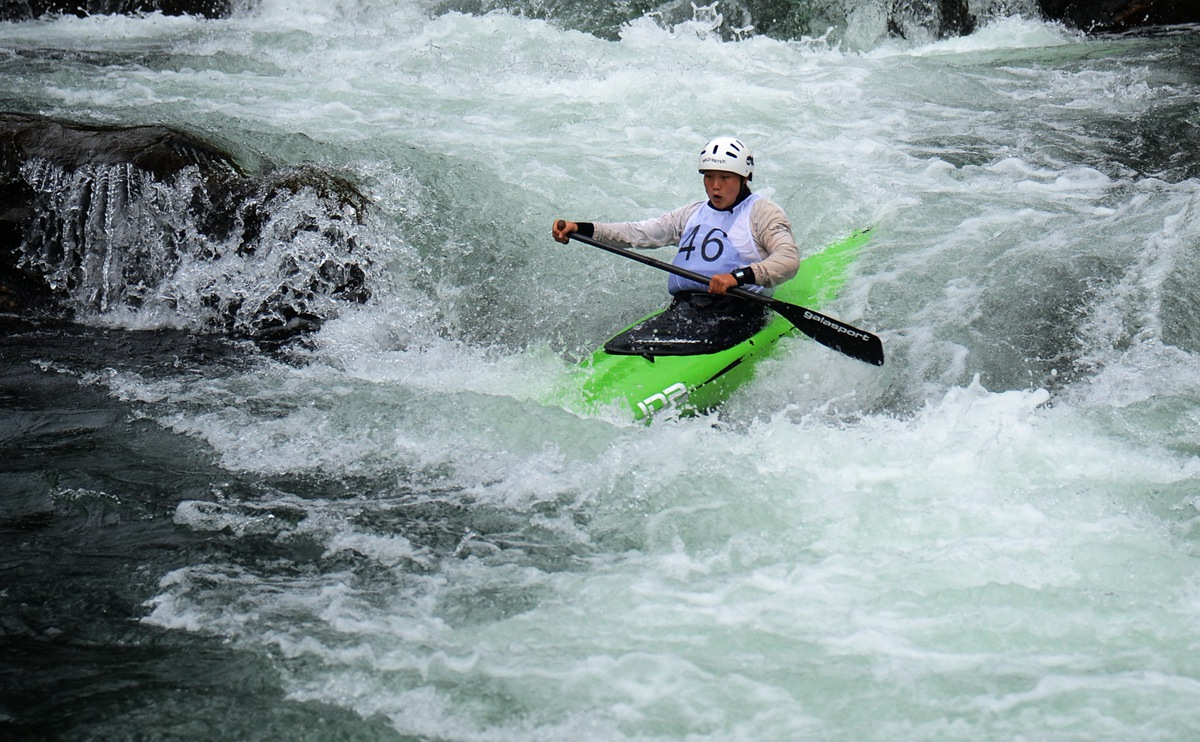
{"x":385,"y":532}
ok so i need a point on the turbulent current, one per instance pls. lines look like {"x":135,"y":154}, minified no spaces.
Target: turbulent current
{"x":383,"y":530}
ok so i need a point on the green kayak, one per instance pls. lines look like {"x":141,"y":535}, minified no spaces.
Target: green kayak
{"x":656,"y":364}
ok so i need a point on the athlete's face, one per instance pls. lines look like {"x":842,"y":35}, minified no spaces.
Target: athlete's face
{"x":722,"y":187}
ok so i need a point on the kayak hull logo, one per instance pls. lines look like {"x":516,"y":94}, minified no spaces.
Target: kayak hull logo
{"x":667,"y":397}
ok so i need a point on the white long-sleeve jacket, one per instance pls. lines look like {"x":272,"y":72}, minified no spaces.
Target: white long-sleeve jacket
{"x":772,"y":232}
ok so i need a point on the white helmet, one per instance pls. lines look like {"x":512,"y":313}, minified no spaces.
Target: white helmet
{"x":729,"y":155}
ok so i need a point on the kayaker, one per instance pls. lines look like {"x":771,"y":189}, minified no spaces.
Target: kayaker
{"x":737,"y":237}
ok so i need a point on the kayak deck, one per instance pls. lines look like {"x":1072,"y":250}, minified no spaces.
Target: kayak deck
{"x":696,"y":323}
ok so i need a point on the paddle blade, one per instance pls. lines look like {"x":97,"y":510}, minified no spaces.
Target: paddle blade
{"x":843,"y":338}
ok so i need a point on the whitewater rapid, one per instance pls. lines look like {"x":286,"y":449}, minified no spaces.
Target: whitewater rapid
{"x":991,"y":537}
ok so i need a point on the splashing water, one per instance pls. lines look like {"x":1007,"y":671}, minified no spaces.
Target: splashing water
{"x":991,"y":537}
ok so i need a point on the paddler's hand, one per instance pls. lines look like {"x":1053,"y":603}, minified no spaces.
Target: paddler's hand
{"x":721,"y":283}
{"x":562,"y":230}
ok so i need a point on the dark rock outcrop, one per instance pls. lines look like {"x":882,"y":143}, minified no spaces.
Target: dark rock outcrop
{"x":946,"y":18}
{"x":1120,"y":15}
{"x":96,"y":218}
{"x":937,"y":18}
{"x":24,"y":10}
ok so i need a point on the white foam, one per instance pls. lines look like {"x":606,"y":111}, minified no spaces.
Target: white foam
{"x":916,"y":538}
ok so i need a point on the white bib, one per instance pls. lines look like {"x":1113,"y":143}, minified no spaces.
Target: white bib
{"x":715,"y":242}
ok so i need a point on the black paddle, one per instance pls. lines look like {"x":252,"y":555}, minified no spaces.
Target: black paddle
{"x":827,"y":331}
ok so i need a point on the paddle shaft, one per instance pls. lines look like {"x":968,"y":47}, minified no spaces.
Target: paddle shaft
{"x":846,"y":339}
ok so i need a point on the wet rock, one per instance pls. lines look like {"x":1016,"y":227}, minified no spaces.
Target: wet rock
{"x":930,"y":18}
{"x":24,"y":10}
{"x":98,"y":219}
{"x":1120,"y":15}
{"x":945,"y":18}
